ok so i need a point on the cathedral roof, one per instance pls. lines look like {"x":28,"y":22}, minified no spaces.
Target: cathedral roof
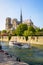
{"x":29,"y":21}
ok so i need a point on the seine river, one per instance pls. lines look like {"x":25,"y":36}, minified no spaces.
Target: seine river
{"x":33,"y":56}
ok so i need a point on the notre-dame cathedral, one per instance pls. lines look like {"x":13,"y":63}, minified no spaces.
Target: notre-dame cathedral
{"x":12,"y":24}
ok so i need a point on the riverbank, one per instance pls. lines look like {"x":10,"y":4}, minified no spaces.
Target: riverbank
{"x":30,"y":40}
{"x":22,"y":39}
{"x":6,"y":59}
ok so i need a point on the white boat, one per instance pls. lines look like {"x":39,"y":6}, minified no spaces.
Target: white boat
{"x":26,"y":46}
{"x":19,"y":45}
{"x":14,"y":43}
{"x":11,"y":43}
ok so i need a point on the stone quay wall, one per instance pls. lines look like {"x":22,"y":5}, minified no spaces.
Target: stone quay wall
{"x":4,"y":38}
{"x":31,"y":39}
{"x":22,"y":39}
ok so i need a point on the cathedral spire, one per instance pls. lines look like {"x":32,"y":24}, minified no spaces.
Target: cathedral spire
{"x":21,"y":17}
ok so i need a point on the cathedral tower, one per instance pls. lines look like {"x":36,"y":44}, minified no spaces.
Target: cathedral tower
{"x":8,"y":23}
{"x":21,"y":17}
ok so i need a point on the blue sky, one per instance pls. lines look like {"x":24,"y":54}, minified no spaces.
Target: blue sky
{"x":30,"y":9}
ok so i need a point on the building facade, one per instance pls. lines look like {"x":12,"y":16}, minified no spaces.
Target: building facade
{"x":15,"y":23}
{"x":8,"y":23}
{"x":12,"y":24}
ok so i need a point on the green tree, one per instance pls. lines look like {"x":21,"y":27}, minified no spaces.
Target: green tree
{"x":3,"y":32}
{"x":41,"y":29}
{"x":37,"y":29}
{"x":38,"y":32}
{"x":31,"y":28}
{"x":28,"y":33}
{"x":25,"y":33}
{"x":13,"y":32}
{"x":21,"y":28}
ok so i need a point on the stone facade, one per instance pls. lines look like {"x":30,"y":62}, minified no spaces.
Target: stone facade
{"x":8,"y":23}
{"x":4,"y":38}
{"x":29,"y":23}
{"x":13,"y":24}
{"x":22,"y":39}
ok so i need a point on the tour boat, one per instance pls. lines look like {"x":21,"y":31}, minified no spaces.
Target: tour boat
{"x":11,"y":43}
{"x":19,"y":45}
{"x":14,"y":43}
{"x":26,"y":46}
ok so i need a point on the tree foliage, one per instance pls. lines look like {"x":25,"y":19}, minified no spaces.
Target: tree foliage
{"x":37,"y":29}
{"x":4,"y":31}
{"x":21,"y":28}
{"x":41,"y":29}
{"x":13,"y":32}
{"x":31,"y":28}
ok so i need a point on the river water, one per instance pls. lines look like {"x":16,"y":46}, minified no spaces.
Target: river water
{"x":33,"y":56}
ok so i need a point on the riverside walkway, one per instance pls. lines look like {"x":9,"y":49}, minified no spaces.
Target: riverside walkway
{"x":6,"y":59}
